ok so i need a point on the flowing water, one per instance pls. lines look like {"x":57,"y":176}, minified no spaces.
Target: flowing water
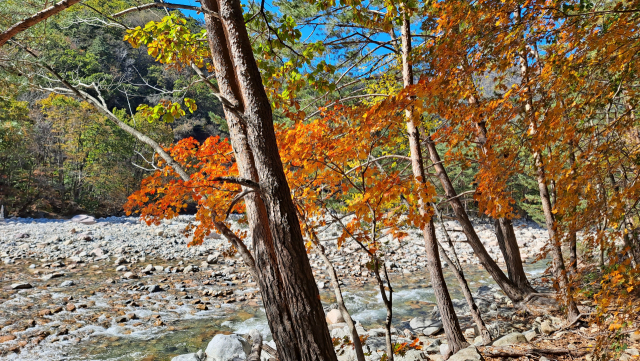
{"x":412,"y":297}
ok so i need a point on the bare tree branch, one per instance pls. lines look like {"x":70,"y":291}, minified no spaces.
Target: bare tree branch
{"x":35,"y":19}
{"x":165,"y":5}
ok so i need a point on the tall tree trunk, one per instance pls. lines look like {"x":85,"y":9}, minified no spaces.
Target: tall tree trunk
{"x":292,"y":300}
{"x":559,"y":269}
{"x":449,"y":319}
{"x":512,"y":290}
{"x":504,"y":231}
{"x":573,"y":244}
{"x":558,"y":261}
{"x":456,"y":268}
{"x":511,"y":252}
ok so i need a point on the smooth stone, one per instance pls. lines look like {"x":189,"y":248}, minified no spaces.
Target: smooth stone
{"x":334,"y":316}
{"x":467,"y":354}
{"x":154,"y":288}
{"x":130,"y":276}
{"x":84,"y":219}
{"x":227,"y":348}
{"x":547,"y":328}
{"x":122,"y":268}
{"x":513,"y":338}
{"x":531,"y":334}
{"x":21,"y":286}
{"x":67,"y":283}
{"x":186,"y":357}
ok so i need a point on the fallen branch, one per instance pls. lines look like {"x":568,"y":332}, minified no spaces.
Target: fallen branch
{"x":256,"y":345}
{"x":510,"y":352}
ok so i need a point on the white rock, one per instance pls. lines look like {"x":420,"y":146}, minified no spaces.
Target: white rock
{"x":122,"y":268}
{"x":98,"y":252}
{"x":130,"y":276}
{"x":227,"y":348}
{"x":149,"y":269}
{"x":21,"y":286}
{"x":334,"y":316}
{"x":187,"y":357}
{"x":84,"y":219}
{"x":546,"y":327}
{"x":513,"y":338}
{"x":467,"y":354}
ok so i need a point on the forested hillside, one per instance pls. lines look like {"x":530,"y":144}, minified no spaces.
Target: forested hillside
{"x":61,"y":157}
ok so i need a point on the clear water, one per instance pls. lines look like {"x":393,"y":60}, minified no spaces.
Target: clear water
{"x":412,"y":297}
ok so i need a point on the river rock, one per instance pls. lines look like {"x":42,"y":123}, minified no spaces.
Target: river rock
{"x":52,"y":275}
{"x":67,"y":283}
{"x":187,"y":357}
{"x":21,"y":286}
{"x":227,"y":348}
{"x":425,"y":326}
{"x":84,"y":219}
{"x":130,"y":276}
{"x":98,"y":252}
{"x":467,"y":354}
{"x":334,"y":316}
{"x":513,"y":338}
{"x":122,"y":268}
{"x":531,"y":334}
{"x":546,"y":328}
{"x":148,"y":269}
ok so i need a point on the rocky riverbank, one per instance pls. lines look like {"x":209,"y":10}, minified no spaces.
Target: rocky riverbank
{"x":94,"y":289}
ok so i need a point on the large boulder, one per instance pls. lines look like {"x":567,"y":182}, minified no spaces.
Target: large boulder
{"x":334,"y":316}
{"x":84,"y":219}
{"x":513,"y":338}
{"x":227,"y":348}
{"x":425,"y":326}
{"x":467,"y":354}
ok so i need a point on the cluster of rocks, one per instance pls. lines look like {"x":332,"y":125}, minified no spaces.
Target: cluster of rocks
{"x":61,"y":276}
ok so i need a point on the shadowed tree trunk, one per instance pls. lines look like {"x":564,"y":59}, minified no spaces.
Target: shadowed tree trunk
{"x":512,"y":290}
{"x":290,"y":294}
{"x":449,"y":319}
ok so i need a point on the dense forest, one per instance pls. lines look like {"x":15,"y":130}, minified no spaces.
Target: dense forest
{"x":378,"y":117}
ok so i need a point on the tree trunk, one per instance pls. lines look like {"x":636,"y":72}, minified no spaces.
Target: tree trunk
{"x":511,"y":252}
{"x":449,"y":319}
{"x":512,"y":291}
{"x":505,"y":233}
{"x":455,"y":266}
{"x":290,"y":294}
{"x":558,"y":261}
{"x":556,"y":247}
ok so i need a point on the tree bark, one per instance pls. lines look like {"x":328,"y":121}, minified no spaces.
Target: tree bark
{"x":511,"y":252}
{"x":556,"y":249}
{"x":513,"y":291}
{"x":559,"y":269}
{"x":450,"y":323}
{"x":504,"y":233}
{"x":295,"y":314}
{"x":455,"y":266}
